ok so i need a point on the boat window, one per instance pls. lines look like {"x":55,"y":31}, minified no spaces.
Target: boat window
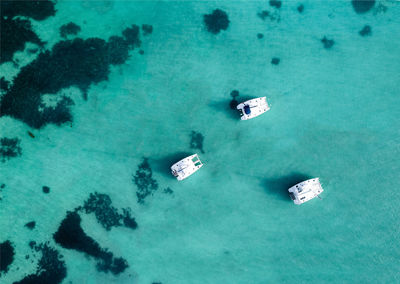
{"x":292,"y":196}
{"x":247,"y":109}
{"x":197,"y":164}
{"x":302,"y":198}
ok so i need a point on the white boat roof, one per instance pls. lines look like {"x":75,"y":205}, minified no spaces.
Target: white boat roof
{"x":186,"y":167}
{"x":252,"y":108}
{"x":305,"y":190}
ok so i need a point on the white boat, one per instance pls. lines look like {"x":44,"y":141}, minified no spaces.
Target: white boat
{"x":305,"y":190}
{"x":252,"y":108}
{"x":186,"y":167}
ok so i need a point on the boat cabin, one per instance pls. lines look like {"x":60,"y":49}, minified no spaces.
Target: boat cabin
{"x":186,"y":167}
{"x":305,"y":190}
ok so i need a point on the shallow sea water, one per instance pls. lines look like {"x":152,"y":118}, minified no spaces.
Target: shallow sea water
{"x":334,"y":115}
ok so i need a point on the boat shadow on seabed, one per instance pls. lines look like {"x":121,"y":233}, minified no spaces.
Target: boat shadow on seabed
{"x":279,"y":186}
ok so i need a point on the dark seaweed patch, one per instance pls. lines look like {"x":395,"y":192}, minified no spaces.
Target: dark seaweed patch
{"x":328,"y":43}
{"x":3,"y":185}
{"x":144,"y":181}
{"x":300,"y":8}
{"x":38,"y":10}
{"x":69,"y":29}
{"x":6,"y":256}
{"x":275,"y":3}
{"x":263,"y":15}
{"x":141,"y":52}
{"x":118,"y":50}
{"x":46,"y":189}
{"x":260,"y":35}
{"x":4,"y":84}
{"x":132,"y":36}
{"x":168,"y":190}
{"x":147,"y":29}
{"x":196,"y":141}
{"x":362,"y":6}
{"x":15,"y":33}
{"x":366,"y":31}
{"x":106,"y":214}
{"x":32,"y":244}
{"x":50,"y":268}
{"x":216,"y":21}
{"x":75,"y":62}
{"x":70,"y":235}
{"x":9,"y":148}
{"x":275,"y":61}
{"x":30,"y":225}
{"x":128,"y":220}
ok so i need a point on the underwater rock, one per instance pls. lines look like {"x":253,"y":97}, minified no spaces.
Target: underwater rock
{"x":260,"y":35}
{"x":106,"y":214}
{"x":50,"y":268}
{"x":30,"y":225}
{"x":4,"y":84}
{"x":6,"y":256}
{"x":35,"y":9}
{"x":168,"y":190}
{"x":70,"y":235}
{"x":75,"y":62}
{"x":69,"y":29}
{"x":132,"y":36}
{"x":328,"y":43}
{"x":196,"y":141}
{"x":362,"y":6}
{"x":3,"y":185}
{"x":234,"y":93}
{"x":275,"y":61}
{"x":32,"y":244}
{"x":141,"y":52}
{"x":144,"y":181}
{"x":275,"y":3}
{"x":15,"y":33}
{"x":216,"y":21}
{"x":366,"y":31}
{"x":46,"y":189}
{"x":147,"y":29}
{"x":300,"y":8}
{"x":9,"y":148}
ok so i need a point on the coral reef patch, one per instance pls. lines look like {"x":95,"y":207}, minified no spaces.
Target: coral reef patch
{"x":69,"y":29}
{"x":50,"y":268}
{"x":70,"y":235}
{"x":144,"y":181}
{"x":216,"y":21}
{"x":106,"y":214}
{"x":9,"y":148}
{"x":30,"y":225}
{"x":362,"y":6}
{"x":6,"y":256}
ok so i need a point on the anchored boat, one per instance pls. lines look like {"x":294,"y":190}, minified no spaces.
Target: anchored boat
{"x":186,"y":167}
{"x":252,"y":108}
{"x":305,"y":190}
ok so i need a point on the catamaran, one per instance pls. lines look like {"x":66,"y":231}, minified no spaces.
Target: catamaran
{"x":186,"y":167}
{"x":305,"y":190}
{"x":252,"y":108}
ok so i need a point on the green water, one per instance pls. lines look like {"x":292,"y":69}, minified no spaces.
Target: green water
{"x":334,"y":115}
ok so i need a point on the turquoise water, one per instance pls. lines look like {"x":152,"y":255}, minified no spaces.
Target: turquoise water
{"x":334,"y":115}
